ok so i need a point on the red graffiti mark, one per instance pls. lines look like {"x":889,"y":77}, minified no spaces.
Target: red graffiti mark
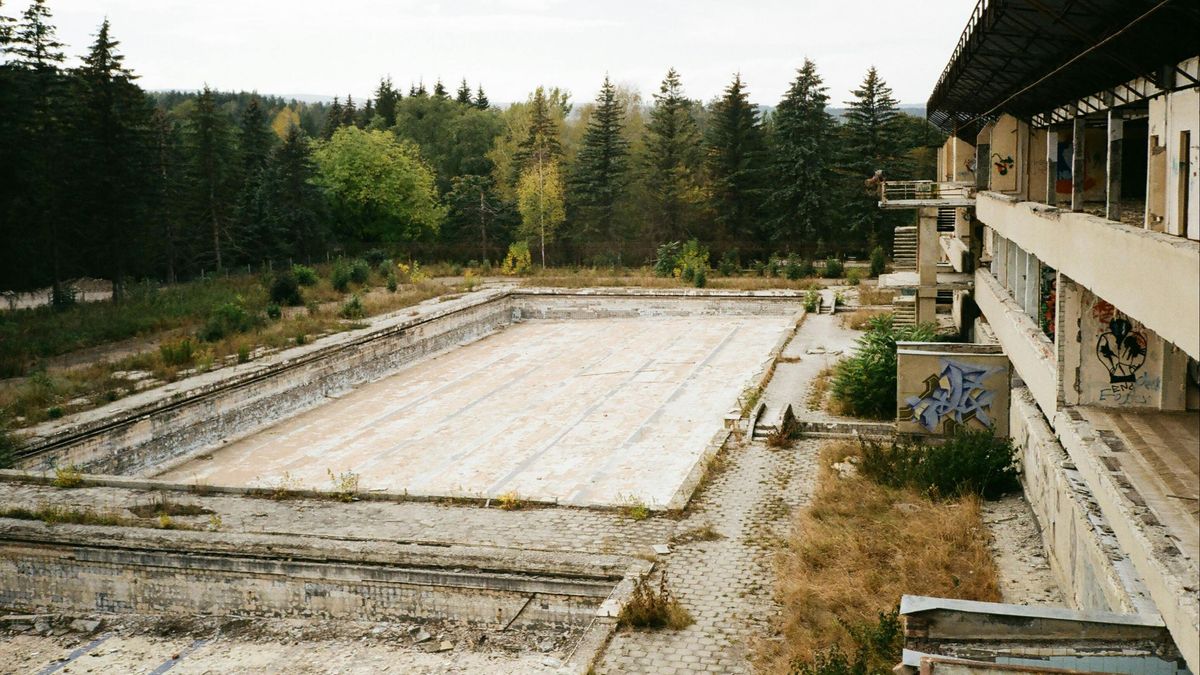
{"x":1103,"y":312}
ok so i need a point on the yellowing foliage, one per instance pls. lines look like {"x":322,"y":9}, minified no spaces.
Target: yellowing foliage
{"x":284,"y":120}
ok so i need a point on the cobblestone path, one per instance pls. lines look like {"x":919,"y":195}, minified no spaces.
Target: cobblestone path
{"x":727,"y":584}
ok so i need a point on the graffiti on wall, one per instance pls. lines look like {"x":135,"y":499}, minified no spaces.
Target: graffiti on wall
{"x":1003,"y":164}
{"x":1121,"y":349}
{"x":954,"y":396}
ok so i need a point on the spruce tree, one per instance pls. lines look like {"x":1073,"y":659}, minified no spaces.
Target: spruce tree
{"x":386,"y":98}
{"x":366,"y":115}
{"x":601,"y":169}
{"x":254,"y":148}
{"x":111,"y":124}
{"x":439,"y":90}
{"x":672,"y":161}
{"x":169,"y":191}
{"x":870,"y":142}
{"x":541,"y":144}
{"x":801,"y":162}
{"x":290,"y":205}
{"x":736,"y":148}
{"x":349,"y":113}
{"x":333,"y":119}
{"x":463,"y":95}
{"x":481,"y":99}
{"x":210,"y":177}
{"x":37,"y":60}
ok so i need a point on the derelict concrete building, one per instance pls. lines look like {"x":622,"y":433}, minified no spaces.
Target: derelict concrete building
{"x":1065,"y":226}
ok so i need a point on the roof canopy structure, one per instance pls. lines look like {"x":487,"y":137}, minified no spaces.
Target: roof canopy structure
{"x":1024,"y":57}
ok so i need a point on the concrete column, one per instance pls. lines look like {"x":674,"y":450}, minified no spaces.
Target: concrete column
{"x":1077,"y":159}
{"x":1173,"y":394}
{"x":1051,"y":166}
{"x":927,"y":260}
{"x":1068,"y":305}
{"x":1112,"y":190}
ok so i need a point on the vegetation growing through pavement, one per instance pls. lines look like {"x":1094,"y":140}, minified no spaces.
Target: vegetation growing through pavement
{"x":653,"y":608}
{"x":864,"y":384}
{"x":854,"y":551}
{"x":970,"y":462}
{"x":67,"y":476}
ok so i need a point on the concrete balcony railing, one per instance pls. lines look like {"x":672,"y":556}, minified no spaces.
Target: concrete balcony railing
{"x":911,"y":194}
{"x":1150,"y":276}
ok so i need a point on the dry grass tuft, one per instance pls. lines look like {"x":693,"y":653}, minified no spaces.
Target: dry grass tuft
{"x":818,"y":393}
{"x":858,"y":548}
{"x":654,"y":608}
{"x":874,"y":295}
{"x":858,"y":319}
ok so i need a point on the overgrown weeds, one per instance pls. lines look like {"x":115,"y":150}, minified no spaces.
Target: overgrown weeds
{"x":856,"y":549}
{"x":67,"y":476}
{"x":875,"y":295}
{"x":345,"y":485}
{"x":860,"y":319}
{"x":970,"y":462}
{"x":510,"y":501}
{"x":634,"y":508}
{"x":653,"y":608}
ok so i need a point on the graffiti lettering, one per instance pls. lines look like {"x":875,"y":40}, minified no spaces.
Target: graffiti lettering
{"x":954,"y":396}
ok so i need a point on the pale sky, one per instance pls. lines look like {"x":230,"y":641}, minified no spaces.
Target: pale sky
{"x":511,"y":46}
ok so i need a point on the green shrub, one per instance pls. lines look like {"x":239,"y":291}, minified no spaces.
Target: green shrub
{"x":700,"y":278}
{"x":274,"y":311}
{"x":878,"y":261}
{"x":340,"y":276}
{"x":854,"y":277}
{"x":305,"y":275}
{"x":285,"y":290}
{"x":834,"y":269}
{"x":392,"y":282}
{"x":692,"y":262}
{"x":177,"y":353}
{"x":360,"y":271}
{"x":9,"y":448}
{"x":666,"y":258}
{"x":518,"y":260}
{"x":760,"y":268}
{"x":877,"y":649}
{"x":352,"y":309}
{"x":243,"y":354}
{"x":729,"y":264}
{"x":807,"y":269}
{"x":63,"y":296}
{"x":971,"y":461}
{"x":375,"y":257}
{"x":228,"y":319}
{"x":54,"y":412}
{"x":812,"y":301}
{"x":774,"y":266}
{"x":865,"y":383}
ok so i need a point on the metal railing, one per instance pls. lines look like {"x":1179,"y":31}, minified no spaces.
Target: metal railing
{"x":903,"y":190}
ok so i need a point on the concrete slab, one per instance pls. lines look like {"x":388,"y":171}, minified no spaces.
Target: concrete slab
{"x":595,"y":412}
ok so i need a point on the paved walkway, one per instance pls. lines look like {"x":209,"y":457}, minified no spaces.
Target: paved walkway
{"x":726,"y":584}
{"x":820,"y":343}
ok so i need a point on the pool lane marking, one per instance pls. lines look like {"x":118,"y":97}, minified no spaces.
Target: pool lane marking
{"x":55,"y":667}
{"x":172,"y":662}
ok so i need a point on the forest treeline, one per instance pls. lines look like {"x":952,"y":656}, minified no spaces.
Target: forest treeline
{"x":99,"y":177}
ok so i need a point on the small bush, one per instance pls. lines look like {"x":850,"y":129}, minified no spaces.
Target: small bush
{"x":865,"y":383}
{"x":653,"y":608}
{"x":877,"y":649}
{"x":345,"y":485}
{"x":774,"y":266}
{"x":243,"y":354}
{"x":729,"y":264}
{"x":807,"y":269}
{"x":340,"y":276}
{"x":792,"y":269}
{"x":54,"y":412}
{"x":971,"y":461}
{"x":63,"y":296}
{"x":228,"y":319}
{"x":375,"y":257}
{"x":68,"y":476}
{"x":305,"y":275}
{"x":667,"y":258}
{"x":285,"y":290}
{"x":177,"y":353}
{"x":634,"y":508}
{"x":274,"y":311}
{"x":692,"y":262}
{"x":854,"y":277}
{"x":518,"y":261}
{"x":812,"y":301}
{"x":834,"y":269}
{"x":360,"y":271}
{"x":352,"y":309}
{"x":9,"y":448}
{"x":392,"y":282}
{"x":510,"y":501}
{"x":878,"y":261}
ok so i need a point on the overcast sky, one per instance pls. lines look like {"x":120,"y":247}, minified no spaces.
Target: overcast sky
{"x":510,"y":46}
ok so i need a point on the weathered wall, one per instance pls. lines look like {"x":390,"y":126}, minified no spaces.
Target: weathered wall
{"x":943,"y":387}
{"x":1031,"y":354}
{"x":1174,"y":119}
{"x":956,"y":161}
{"x":63,"y":570}
{"x":1120,"y":361}
{"x":598,"y":304}
{"x":1008,"y":155}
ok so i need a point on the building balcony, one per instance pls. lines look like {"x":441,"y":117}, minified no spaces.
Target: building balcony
{"x":1150,"y":276}
{"x":915,"y":194}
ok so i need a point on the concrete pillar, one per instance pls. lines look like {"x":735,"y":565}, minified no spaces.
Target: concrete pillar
{"x":1051,"y":166}
{"x":1077,"y":159}
{"x":1173,"y":394}
{"x":1068,"y":306}
{"x":1112,"y":182}
{"x":927,"y":260}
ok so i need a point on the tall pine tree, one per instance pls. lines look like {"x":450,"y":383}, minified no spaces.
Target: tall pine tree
{"x":601,"y":171}
{"x":255,"y":140}
{"x":386,"y":98}
{"x":111,"y":124}
{"x":211,"y":185}
{"x":333,"y":119}
{"x":463,"y":95}
{"x":672,"y":162}
{"x":290,"y":205}
{"x":736,"y":150}
{"x":481,"y":99}
{"x":870,"y":142}
{"x":801,"y":163}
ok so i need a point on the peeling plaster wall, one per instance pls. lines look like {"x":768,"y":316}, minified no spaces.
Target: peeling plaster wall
{"x":956,"y":161}
{"x":1120,"y":361}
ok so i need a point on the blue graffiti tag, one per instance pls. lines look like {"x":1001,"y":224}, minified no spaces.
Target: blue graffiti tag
{"x":957,"y":393}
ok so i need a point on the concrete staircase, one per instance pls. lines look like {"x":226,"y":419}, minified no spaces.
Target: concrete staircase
{"x":945,"y":219}
{"x":904,"y":310}
{"x":904,"y":248}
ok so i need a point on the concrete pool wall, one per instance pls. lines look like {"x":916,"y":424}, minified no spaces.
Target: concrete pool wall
{"x":156,"y":429}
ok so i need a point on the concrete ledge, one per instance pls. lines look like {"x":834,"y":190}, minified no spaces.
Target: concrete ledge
{"x":1109,"y":259}
{"x":1170,"y":576}
{"x":1031,"y":352}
